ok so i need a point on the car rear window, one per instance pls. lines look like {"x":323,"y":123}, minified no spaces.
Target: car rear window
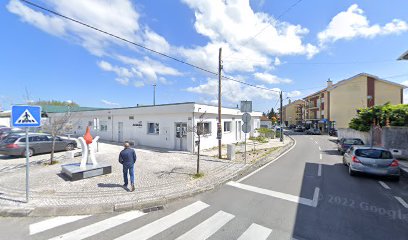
{"x":353,"y":142}
{"x":373,"y":153}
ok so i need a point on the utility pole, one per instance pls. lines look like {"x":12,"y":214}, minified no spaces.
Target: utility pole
{"x":281,"y":117}
{"x":219,"y":131}
{"x":154,"y":94}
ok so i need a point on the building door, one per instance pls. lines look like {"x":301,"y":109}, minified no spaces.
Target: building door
{"x":181,"y":136}
{"x":120,"y":131}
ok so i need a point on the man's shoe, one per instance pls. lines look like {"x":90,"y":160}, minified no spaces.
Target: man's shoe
{"x":124,"y":185}
{"x":133,"y":188}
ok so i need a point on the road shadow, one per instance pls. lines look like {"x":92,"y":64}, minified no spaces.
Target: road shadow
{"x":64,"y":177}
{"x":112,"y":185}
{"x":332,"y":152}
{"x":334,"y":140}
{"x":10,"y":199}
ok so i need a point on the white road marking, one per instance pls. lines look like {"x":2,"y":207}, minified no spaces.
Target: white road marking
{"x":402,"y":201}
{"x":101,"y":226}
{"x":53,"y":222}
{"x":264,"y":166}
{"x":320,"y":149}
{"x":255,"y":232}
{"x":384,"y":185}
{"x":321,"y":156}
{"x":207,"y":228}
{"x":164,"y":223}
{"x":284,"y":196}
{"x":316,"y":196}
{"x":319,"y":170}
{"x":316,"y":142}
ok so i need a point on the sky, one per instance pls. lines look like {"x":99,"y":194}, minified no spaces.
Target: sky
{"x":293,"y":46}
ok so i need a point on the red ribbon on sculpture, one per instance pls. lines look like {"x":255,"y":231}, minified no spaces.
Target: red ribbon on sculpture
{"x":88,"y":137}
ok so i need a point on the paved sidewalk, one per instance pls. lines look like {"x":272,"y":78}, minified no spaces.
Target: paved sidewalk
{"x":160,"y":176}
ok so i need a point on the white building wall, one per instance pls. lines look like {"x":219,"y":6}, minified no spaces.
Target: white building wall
{"x":167,"y":116}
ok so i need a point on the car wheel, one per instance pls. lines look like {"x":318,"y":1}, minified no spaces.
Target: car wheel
{"x":30,"y":153}
{"x":351,"y":172}
{"x":69,"y":147}
{"x":396,"y":179}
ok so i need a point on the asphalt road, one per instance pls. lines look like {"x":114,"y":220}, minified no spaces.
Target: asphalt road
{"x":305,"y":194}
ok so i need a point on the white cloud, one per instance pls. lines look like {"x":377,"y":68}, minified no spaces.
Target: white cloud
{"x":106,"y":102}
{"x":294,"y":94}
{"x":138,"y":84}
{"x":115,"y":16}
{"x":120,"y":71}
{"x":148,"y":68}
{"x":122,"y":81}
{"x":353,"y":23}
{"x":53,"y":25}
{"x":271,"y":79}
{"x":277,"y":61}
{"x":231,"y":25}
{"x":233,"y":91}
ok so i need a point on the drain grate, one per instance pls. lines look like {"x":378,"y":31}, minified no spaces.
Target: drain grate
{"x":152,"y":209}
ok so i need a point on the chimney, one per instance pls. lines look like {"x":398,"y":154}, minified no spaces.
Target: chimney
{"x":329,"y":83}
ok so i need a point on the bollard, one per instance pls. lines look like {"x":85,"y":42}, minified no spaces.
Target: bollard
{"x":230,"y":151}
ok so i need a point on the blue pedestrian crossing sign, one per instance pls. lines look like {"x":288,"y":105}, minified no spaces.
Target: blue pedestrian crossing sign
{"x":26,"y":116}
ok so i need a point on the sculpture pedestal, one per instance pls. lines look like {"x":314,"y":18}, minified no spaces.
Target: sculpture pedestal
{"x":74,"y":172}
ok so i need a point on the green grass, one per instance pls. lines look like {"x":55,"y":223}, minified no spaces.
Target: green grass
{"x":50,"y":164}
{"x":198,"y":175}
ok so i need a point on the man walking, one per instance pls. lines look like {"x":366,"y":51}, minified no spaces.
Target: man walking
{"x":127,"y":158}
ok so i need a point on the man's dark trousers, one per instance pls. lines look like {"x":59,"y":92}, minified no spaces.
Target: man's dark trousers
{"x":127,"y":158}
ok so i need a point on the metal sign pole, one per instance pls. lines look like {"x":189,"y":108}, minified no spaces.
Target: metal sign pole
{"x":245,"y":149}
{"x":27,"y":153}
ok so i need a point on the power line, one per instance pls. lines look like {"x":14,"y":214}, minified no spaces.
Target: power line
{"x":267,"y":26}
{"x":141,"y":46}
{"x":311,"y":63}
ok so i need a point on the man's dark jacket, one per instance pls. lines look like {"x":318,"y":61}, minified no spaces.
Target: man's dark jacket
{"x":127,"y":157}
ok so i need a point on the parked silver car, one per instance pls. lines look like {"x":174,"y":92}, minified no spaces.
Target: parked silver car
{"x":14,"y":144}
{"x":371,"y":160}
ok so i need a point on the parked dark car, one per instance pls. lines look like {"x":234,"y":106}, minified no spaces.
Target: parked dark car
{"x":299,"y":129}
{"x":371,"y":160}
{"x":333,"y":132}
{"x":313,"y":131}
{"x":345,"y":143}
{"x":14,"y":144}
{"x":5,"y":131}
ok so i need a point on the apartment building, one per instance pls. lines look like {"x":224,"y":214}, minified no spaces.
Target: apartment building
{"x":293,"y":113}
{"x":337,"y":104}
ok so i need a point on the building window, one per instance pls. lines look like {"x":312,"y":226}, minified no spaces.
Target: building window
{"x":152,"y":128}
{"x":227,"y":126}
{"x":109,"y":118}
{"x":103,"y":126}
{"x":205,"y":127}
{"x":131,"y":117}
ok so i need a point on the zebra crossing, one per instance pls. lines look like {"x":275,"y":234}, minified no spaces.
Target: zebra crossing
{"x":203,"y":230}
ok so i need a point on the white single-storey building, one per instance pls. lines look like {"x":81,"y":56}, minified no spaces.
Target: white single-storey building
{"x":164,"y":126}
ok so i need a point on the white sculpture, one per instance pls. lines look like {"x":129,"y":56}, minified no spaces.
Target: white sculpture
{"x":88,"y":152}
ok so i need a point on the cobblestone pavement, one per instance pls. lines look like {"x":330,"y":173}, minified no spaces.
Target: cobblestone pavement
{"x":159,"y":175}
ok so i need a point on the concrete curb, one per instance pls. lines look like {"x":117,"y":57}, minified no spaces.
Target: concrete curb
{"x":98,"y":208}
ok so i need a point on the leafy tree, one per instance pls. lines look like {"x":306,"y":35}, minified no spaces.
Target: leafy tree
{"x":57,"y":125}
{"x":272,"y":114}
{"x":396,"y":115}
{"x":55,"y":103}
